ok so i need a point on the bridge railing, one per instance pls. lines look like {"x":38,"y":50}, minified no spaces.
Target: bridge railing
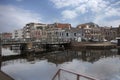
{"x":68,"y":75}
{"x":13,"y":41}
{"x":47,"y":41}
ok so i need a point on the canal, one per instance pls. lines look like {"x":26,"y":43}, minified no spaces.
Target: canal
{"x":100,"y":64}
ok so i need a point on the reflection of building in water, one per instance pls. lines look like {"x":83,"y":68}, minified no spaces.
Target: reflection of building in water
{"x":21,"y":58}
{"x":118,"y":51}
{"x":14,"y":61}
{"x":0,"y":64}
{"x":94,"y":55}
{"x":59,"y":57}
{"x":87,"y":55}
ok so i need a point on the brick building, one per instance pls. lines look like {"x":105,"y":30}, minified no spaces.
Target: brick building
{"x":109,"y":33}
{"x":90,"y":31}
{"x":63,"y":25}
{"x":60,"y":25}
{"x":6,"y":36}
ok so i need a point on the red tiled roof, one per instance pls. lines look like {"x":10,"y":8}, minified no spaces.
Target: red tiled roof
{"x":59,"y":25}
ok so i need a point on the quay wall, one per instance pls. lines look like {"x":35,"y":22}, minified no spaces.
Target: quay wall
{"x":93,"y":45}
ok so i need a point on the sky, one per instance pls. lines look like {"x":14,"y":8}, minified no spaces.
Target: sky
{"x":14,"y":14}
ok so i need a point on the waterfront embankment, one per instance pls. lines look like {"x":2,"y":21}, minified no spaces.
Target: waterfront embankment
{"x":93,"y":45}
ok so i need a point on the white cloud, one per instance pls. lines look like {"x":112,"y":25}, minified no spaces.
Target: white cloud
{"x":100,"y":10}
{"x":68,"y":14}
{"x":116,"y":3}
{"x":97,"y":5}
{"x":81,"y":9}
{"x":12,"y":17}
{"x":102,"y":22}
{"x":112,"y":12}
{"x":19,"y":0}
{"x":81,"y":6}
{"x":67,"y":3}
{"x":109,"y":12}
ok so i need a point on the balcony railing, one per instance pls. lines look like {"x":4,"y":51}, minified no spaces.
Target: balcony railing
{"x":68,"y":75}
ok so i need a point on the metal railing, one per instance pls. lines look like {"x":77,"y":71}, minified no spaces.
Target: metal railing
{"x":77,"y":76}
{"x":13,"y":42}
{"x":48,"y":41}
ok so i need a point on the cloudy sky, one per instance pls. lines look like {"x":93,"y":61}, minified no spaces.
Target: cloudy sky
{"x":14,"y":14}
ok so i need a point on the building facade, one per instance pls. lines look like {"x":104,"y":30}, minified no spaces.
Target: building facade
{"x":17,"y":34}
{"x":118,"y":31}
{"x":34,"y":31}
{"x":109,"y":33}
{"x":6,"y":36}
{"x":55,"y":32}
{"x":90,"y":31}
{"x":63,"y":25}
{"x":55,"y":35}
{"x":72,"y":35}
{"x":63,"y":35}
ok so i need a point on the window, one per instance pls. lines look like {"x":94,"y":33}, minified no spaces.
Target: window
{"x":74,"y":34}
{"x":62,"y":34}
{"x":39,"y":27}
{"x":67,"y":34}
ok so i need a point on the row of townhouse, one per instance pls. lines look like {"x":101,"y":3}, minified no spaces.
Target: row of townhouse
{"x":109,"y":33}
{"x":47,"y":32}
{"x":97,"y":33}
{"x":90,"y":31}
{"x":64,"y":32}
{"x":58,"y":34}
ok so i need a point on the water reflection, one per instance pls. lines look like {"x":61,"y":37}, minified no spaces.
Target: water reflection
{"x":118,"y":51}
{"x":101,"y":64}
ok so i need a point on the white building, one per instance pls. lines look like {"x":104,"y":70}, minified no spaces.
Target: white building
{"x":72,"y":34}
{"x":55,"y":34}
{"x":34,"y":31}
{"x":17,"y":34}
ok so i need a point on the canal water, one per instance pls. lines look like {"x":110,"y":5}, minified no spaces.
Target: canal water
{"x":99,"y":64}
